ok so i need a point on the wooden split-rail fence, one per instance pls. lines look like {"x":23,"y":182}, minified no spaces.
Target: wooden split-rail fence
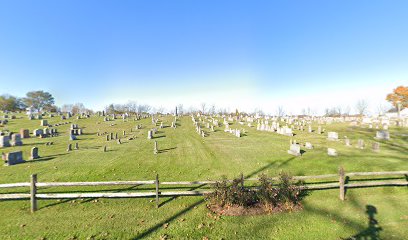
{"x":161,"y":191}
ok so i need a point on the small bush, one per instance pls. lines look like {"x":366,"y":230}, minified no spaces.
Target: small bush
{"x":284,"y":194}
{"x":226,"y":194}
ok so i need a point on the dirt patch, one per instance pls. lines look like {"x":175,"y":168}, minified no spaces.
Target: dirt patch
{"x":256,"y":209}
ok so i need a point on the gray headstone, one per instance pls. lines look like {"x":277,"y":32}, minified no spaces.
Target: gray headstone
{"x":34,"y":153}
{"x":294,"y":150}
{"x":332,"y":152}
{"x":14,"y":158}
{"x":4,"y":141}
{"x":382,"y":135}
{"x":16,"y":140}
{"x":332,"y":136}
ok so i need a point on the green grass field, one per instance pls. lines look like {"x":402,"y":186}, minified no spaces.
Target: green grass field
{"x":185,"y":156}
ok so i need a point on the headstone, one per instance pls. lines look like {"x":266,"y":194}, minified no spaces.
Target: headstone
{"x":4,"y":141}
{"x":107,"y":137}
{"x":376,"y":146}
{"x":360,"y":143}
{"x":16,"y":140}
{"x":149,"y":134}
{"x":44,"y":123}
{"x":34,"y":153}
{"x":124,"y":133}
{"x":38,"y":132}
{"x":382,"y":135}
{"x":118,"y":141}
{"x":14,"y":158}
{"x":308,"y":145}
{"x":332,"y":152}
{"x":347,"y":142}
{"x":104,"y":148}
{"x":319,"y":130}
{"x":294,"y":150}
{"x":156,"y":150}
{"x":332,"y":136}
{"x":25,"y":133}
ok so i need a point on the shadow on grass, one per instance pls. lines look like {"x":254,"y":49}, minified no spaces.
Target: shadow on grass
{"x":175,"y":197}
{"x":154,"y":228}
{"x":372,"y":232}
{"x":269,"y":165}
{"x":166,"y":149}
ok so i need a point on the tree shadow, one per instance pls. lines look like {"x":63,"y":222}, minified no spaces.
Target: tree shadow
{"x":166,"y":150}
{"x":175,"y":197}
{"x":168,"y":220}
{"x":372,"y":232}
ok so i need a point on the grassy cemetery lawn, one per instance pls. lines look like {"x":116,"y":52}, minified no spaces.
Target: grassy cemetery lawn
{"x":186,"y":156}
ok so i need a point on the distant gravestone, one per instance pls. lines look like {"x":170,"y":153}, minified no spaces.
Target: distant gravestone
{"x":376,"y":147}
{"x":319,"y":130}
{"x":382,"y":135}
{"x":347,"y":142}
{"x":308,"y":145}
{"x":4,"y":141}
{"x":38,"y":132}
{"x":332,"y":136}
{"x":360,"y":143}
{"x":118,"y":141}
{"x":237,"y":133}
{"x":294,"y":150}
{"x":44,"y":123}
{"x":14,"y":158}
{"x":104,"y":148}
{"x":332,"y":152}
{"x":25,"y":133}
{"x":34,"y":153}
{"x":149,"y":134}
{"x":16,"y":140}
{"x":155,"y":150}
{"x":107,"y":137}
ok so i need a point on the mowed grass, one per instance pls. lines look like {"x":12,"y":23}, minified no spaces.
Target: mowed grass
{"x":185,"y":155}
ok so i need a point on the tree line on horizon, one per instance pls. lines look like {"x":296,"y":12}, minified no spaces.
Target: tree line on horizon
{"x":42,"y":101}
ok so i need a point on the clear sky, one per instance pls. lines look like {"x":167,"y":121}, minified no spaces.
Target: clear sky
{"x":234,"y":54}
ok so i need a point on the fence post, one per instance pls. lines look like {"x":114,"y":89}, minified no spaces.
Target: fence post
{"x":157,"y":190}
{"x":341,"y":183}
{"x":33,"y":193}
{"x":242,"y":180}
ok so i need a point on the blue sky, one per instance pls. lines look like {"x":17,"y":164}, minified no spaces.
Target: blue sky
{"x":234,"y":54}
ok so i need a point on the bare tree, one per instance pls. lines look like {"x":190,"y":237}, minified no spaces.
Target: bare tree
{"x":203,"y":107}
{"x":280,"y":111}
{"x":382,"y":109}
{"x":347,"y":110}
{"x":180,"y":109}
{"x":212,"y":109}
{"x":66,"y":108}
{"x":131,"y":106}
{"x":361,"y":107}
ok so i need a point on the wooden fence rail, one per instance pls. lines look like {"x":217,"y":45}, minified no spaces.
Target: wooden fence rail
{"x":34,"y":185}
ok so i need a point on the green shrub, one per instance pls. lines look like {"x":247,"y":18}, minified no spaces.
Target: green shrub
{"x":285,"y":192}
{"x":229,"y":194}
